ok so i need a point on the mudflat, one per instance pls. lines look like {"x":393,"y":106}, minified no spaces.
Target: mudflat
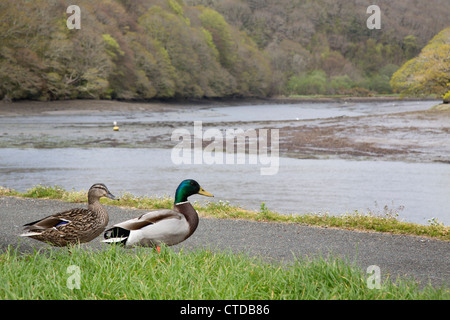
{"x":415,"y":136}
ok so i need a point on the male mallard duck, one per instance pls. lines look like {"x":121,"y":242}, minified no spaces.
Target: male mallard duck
{"x":73,"y":226}
{"x":161,"y":226}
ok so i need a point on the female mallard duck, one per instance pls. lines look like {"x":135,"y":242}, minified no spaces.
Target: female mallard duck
{"x":161,"y":226}
{"x":73,"y":226}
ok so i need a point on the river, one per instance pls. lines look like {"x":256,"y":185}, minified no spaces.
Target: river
{"x":53,"y":149}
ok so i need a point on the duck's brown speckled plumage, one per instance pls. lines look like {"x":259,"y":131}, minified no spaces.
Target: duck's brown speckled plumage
{"x":73,"y":226}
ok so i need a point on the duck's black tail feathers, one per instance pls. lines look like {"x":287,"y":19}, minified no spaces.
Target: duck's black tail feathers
{"x":116,"y":235}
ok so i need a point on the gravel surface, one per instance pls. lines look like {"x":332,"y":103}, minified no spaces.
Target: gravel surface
{"x":408,"y":256}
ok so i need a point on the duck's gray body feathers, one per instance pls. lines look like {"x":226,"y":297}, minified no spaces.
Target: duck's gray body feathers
{"x":156,"y":227}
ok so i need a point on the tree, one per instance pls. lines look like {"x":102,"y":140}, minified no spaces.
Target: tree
{"x":410,"y":47}
{"x":428,"y":73}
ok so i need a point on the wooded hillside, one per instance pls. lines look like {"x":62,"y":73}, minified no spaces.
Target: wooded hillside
{"x":324,"y":46}
{"x":143,"y":49}
{"x":134,"y":49}
{"x":429,"y":72}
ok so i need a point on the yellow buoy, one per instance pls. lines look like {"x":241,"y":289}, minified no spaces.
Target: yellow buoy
{"x":116,"y":128}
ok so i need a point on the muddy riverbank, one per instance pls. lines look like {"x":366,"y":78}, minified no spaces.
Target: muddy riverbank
{"x":405,"y":134}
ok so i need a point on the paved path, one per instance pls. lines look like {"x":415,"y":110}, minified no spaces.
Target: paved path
{"x":424,"y":259}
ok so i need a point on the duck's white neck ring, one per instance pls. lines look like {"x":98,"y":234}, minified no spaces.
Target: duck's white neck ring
{"x":182,"y":202}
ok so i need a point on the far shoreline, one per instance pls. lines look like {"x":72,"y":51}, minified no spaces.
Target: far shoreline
{"x":35,"y":107}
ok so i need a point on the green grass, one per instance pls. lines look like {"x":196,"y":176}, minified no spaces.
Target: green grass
{"x":383,"y":221}
{"x":116,"y":273}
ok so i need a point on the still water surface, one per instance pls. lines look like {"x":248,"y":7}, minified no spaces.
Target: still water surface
{"x":301,"y":185}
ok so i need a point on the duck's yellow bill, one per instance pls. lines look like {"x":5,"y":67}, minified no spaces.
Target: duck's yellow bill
{"x":205,"y":193}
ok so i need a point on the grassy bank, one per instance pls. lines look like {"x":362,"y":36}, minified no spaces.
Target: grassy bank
{"x":115,"y":273}
{"x":384,"y":221}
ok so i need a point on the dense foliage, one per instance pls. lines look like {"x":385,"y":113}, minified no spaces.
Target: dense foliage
{"x":325,"y":47}
{"x":125,"y":49}
{"x":144,"y":49}
{"x":428,"y":73}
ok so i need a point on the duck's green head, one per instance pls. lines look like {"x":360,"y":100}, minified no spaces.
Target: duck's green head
{"x":188,"y":188}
